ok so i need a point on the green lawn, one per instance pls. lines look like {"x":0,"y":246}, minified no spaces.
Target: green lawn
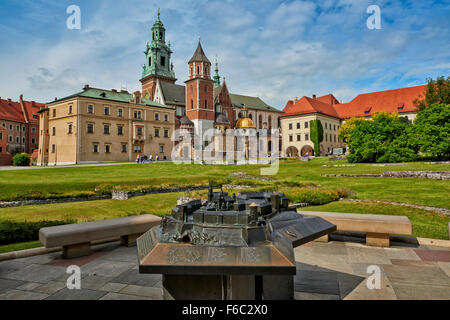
{"x":57,"y":182}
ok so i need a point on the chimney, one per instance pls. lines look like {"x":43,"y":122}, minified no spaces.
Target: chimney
{"x":314,"y":96}
{"x":114,"y":90}
{"x":56,"y":98}
{"x":21,"y":97}
{"x":9,"y":100}
{"x":86,"y":87}
{"x":295,"y":99}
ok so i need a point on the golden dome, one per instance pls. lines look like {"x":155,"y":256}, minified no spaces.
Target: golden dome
{"x":245,"y":123}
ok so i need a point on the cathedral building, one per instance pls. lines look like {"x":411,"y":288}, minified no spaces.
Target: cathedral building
{"x":203,"y":102}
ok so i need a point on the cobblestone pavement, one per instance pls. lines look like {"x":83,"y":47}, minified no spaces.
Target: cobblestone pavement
{"x":334,"y":270}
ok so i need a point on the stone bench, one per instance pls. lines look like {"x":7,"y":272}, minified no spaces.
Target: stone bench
{"x":377,"y":227}
{"x":76,"y":238}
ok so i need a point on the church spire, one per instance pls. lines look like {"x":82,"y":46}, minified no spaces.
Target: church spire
{"x":216,"y":75}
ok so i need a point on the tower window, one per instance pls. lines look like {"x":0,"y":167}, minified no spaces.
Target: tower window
{"x":206,"y":88}
{"x":149,"y":61}
{"x":160,"y":36}
{"x":163,"y":61}
{"x":206,"y":104}
{"x":192,"y":103}
{"x":198,"y":70}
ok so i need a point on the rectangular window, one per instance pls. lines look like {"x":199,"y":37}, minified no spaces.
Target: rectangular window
{"x":1,"y":149}
{"x":70,"y":128}
{"x":299,"y":137}
{"x":17,"y":128}
{"x":206,"y":104}
{"x":53,"y":148}
{"x":166,"y":133}
{"x":53,"y":131}
{"x":23,"y":140}
{"x":23,"y":128}
{"x":105,"y":129}
{"x":137,"y":148}
{"x":10,"y":127}
{"x":306,"y":136}
{"x":326,"y":125}
{"x":166,"y":117}
{"x":33,"y":130}
{"x":156,"y":132}
{"x":106,"y":111}
{"x":95,"y":148}
{"x":90,"y":128}
{"x":10,"y":139}
{"x":54,"y":113}
{"x":291,"y":138}
{"x":306,"y":125}
{"x":70,"y":109}
{"x":90,"y":109}
{"x":161,"y":149}
{"x":120,"y":113}
{"x":157,"y":116}
{"x":120,"y":130}
{"x":290,"y":126}
{"x":139,"y":131}
{"x":33,"y":140}
{"x":298,"y":125}
{"x":107,"y":148}
{"x":137,"y":114}
{"x":124,"y":148}
{"x":1,"y":135}
{"x":163,"y":61}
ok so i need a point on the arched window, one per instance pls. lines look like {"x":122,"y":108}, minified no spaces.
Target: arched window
{"x":251,"y":116}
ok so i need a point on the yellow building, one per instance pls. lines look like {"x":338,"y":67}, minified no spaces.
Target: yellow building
{"x":98,"y":125}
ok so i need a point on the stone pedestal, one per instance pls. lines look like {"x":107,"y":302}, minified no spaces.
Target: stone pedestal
{"x":227,"y":287}
{"x":377,"y":239}
{"x":76,"y":250}
{"x":278,"y":287}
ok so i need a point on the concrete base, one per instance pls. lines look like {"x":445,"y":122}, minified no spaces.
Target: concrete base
{"x":76,"y":250}
{"x":227,"y":287}
{"x":377,"y":239}
{"x":278,"y":287}
{"x":129,"y":240}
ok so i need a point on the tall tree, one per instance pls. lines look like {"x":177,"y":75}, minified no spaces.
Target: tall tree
{"x":432,"y":129}
{"x":437,"y":91}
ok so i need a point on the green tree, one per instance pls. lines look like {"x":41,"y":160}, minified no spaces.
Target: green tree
{"x":21,"y":159}
{"x":316,"y":133}
{"x":345,"y":131}
{"x":385,"y":138}
{"x":432,"y":129}
{"x":437,"y":91}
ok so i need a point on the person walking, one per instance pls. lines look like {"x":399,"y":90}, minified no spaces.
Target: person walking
{"x":137,"y":158}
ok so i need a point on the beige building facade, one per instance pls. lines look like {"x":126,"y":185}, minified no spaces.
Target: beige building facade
{"x":296,"y":136}
{"x":104,"y":126}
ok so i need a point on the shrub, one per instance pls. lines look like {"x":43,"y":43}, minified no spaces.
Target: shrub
{"x":313,"y":196}
{"x":21,"y":159}
{"x":12,"y":232}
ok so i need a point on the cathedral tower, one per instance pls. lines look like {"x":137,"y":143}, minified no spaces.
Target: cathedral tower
{"x":200,"y":92}
{"x":157,"y":61}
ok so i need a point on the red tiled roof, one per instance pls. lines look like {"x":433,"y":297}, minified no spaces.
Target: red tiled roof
{"x":308,"y":105}
{"x":364,"y":105}
{"x":329,"y":99}
{"x":396,"y":100}
{"x":12,"y":111}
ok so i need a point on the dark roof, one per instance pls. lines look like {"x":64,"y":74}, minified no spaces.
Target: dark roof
{"x":173,"y":93}
{"x":222,"y":119}
{"x":199,"y":55}
{"x":185,"y":121}
{"x":250,"y":102}
{"x":119,"y":96}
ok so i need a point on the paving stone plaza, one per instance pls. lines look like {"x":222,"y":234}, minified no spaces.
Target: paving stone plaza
{"x":334,"y":270}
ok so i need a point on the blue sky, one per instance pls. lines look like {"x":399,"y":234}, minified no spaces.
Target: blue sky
{"x":272,"y":49}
